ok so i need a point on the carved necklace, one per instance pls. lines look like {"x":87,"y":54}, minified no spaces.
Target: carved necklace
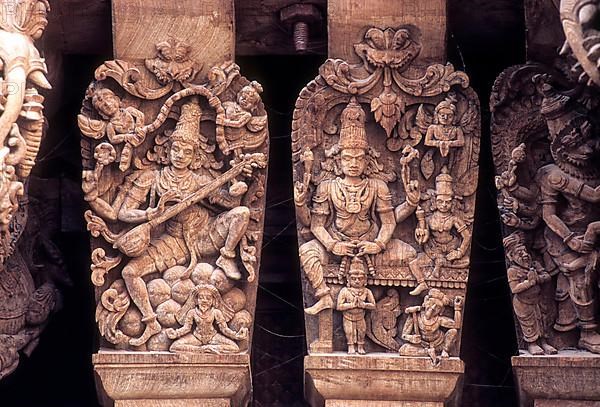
{"x":169,"y":180}
{"x":353,"y":195}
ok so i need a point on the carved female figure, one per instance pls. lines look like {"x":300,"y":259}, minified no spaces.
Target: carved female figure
{"x":192,"y":233}
{"x":202,"y":312}
{"x":353,"y":301}
{"x":438,"y":234}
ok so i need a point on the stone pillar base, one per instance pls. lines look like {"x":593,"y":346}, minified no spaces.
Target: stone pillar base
{"x":161,"y":379}
{"x":569,"y":379}
{"x":379,"y":380}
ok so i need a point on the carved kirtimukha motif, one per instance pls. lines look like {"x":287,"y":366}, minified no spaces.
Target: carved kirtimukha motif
{"x":174,"y":174}
{"x":27,"y":293}
{"x":546,"y":147}
{"x":385,"y":162}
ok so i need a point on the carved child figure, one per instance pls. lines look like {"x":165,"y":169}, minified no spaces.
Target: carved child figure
{"x":436,"y":232}
{"x":423,"y":328}
{"x":443,"y":133}
{"x":525,"y":278}
{"x":353,"y":301}
{"x":243,"y":130}
{"x":205,"y":309}
{"x":123,"y":125}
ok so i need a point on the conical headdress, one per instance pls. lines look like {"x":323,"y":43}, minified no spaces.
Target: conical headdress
{"x":353,"y":133}
{"x":443,"y":183}
{"x":187,"y":129}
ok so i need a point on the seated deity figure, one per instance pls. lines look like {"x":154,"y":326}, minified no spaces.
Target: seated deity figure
{"x":203,"y":309}
{"x":441,"y":246}
{"x":423,"y":328}
{"x":192,"y":234}
{"x":352,"y":216}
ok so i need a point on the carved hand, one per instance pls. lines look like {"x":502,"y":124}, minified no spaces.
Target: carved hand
{"x":169,"y":196}
{"x":89,"y":184}
{"x":238,"y":189}
{"x":365,"y":247}
{"x":421,"y":235}
{"x":532,"y":277}
{"x":242,"y":333}
{"x":300,"y":193}
{"x":413,"y":192}
{"x":454,"y":255}
{"x":415,"y":339}
{"x":510,"y":219}
{"x":343,"y":249}
{"x":171,"y":333}
{"x":580,"y":245}
{"x":458,"y":302}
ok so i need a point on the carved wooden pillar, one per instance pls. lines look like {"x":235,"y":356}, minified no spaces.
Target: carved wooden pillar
{"x":546,"y":149}
{"x":174,"y":148}
{"x":385,"y":151}
{"x":28,"y":291}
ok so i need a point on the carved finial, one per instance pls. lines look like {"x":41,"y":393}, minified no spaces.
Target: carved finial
{"x":353,"y":133}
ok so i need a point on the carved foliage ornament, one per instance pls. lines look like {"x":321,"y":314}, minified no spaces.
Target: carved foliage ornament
{"x":546,"y":147}
{"x":174,"y":174}
{"x":25,"y":303}
{"x":385,"y":167}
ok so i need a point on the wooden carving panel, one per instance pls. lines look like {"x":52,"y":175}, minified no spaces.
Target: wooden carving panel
{"x":545,"y":140}
{"x":174,"y":171}
{"x":385,"y":170}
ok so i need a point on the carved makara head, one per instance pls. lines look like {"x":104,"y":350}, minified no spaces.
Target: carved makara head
{"x":444,"y":191}
{"x":24,"y":16}
{"x":353,"y":134}
{"x":389,"y":47}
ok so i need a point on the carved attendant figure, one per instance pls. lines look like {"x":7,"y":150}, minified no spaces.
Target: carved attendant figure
{"x":525,"y":278}
{"x":353,"y":301}
{"x":191,"y":234}
{"x":352,"y":216}
{"x":204,"y":310}
{"x":436,"y":232}
{"x":423,"y":329}
{"x":443,"y":133}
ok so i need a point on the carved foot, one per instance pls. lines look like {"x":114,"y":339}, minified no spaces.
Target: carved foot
{"x":419,"y":289}
{"x":535,"y":349}
{"x":324,"y":302}
{"x":590,"y":341}
{"x":361,"y":349}
{"x":152,"y":328}
{"x":229,"y":267}
{"x":548,"y":349}
{"x":351,"y":349}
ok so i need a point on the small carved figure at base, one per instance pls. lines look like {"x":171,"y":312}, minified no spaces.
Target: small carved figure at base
{"x":204,"y":309}
{"x":353,"y":301}
{"x":423,"y":328}
{"x":525,"y":278}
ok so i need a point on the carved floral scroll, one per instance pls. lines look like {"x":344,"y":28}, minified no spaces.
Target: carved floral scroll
{"x":174,"y":157}
{"x":385,"y":165}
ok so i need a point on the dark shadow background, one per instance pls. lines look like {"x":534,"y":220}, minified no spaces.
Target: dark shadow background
{"x":484,"y":37}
